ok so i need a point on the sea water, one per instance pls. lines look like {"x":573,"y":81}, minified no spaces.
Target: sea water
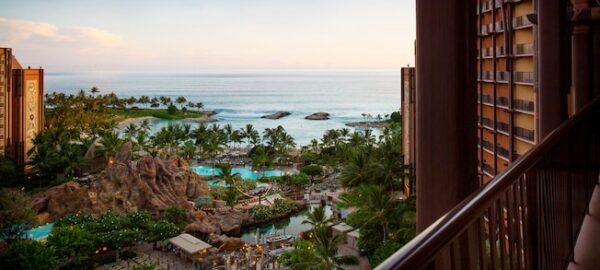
{"x":241,"y":98}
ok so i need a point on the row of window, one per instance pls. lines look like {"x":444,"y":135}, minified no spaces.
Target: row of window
{"x":503,"y":127}
{"x":503,"y":76}
{"x":490,"y":147}
{"x":498,"y":27}
{"x":489,"y":5}
{"x":519,"y":104}
{"x":518,"y":50}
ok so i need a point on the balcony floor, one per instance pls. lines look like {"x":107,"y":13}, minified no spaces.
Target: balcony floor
{"x":587,"y":254}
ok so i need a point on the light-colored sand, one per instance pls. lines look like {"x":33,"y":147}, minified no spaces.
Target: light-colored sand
{"x":135,"y":120}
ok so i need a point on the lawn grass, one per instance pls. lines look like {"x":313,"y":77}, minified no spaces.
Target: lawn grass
{"x":123,"y":114}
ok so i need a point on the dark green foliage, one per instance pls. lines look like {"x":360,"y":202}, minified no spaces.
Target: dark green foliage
{"x":71,"y":242}
{"x":384,"y":251}
{"x":396,"y":117}
{"x":283,"y":206}
{"x":312,"y":170}
{"x":262,"y":212}
{"x":161,"y":230}
{"x":309,"y":157}
{"x":15,"y":213}
{"x":28,"y":255}
{"x":176,"y":215}
{"x":172,"y":109}
{"x":9,"y":172}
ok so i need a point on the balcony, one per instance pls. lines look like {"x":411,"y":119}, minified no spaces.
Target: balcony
{"x":500,"y":51}
{"x":539,"y":213}
{"x":503,"y":127}
{"x":487,"y":76}
{"x":525,"y":134}
{"x":499,"y":26}
{"x":502,"y":76}
{"x":502,"y":101}
{"x":487,"y":99}
{"x":524,"y":77}
{"x":503,"y":152}
{"x":487,"y":145}
{"x":525,"y":49}
{"x":487,"y":169}
{"x":521,"y":22}
{"x":487,"y":53}
{"x":523,"y":105}
{"x":486,"y":122}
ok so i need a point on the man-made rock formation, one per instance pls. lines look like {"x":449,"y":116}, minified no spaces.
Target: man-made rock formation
{"x":318,"y":116}
{"x":151,"y":184}
{"x":219,"y":221}
{"x":277,"y":115}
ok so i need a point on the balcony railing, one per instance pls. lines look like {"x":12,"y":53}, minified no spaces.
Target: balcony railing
{"x":500,"y":51}
{"x":524,"y":133}
{"x":502,"y":76}
{"x":487,"y":168}
{"x":487,"y":99}
{"x":502,"y":101}
{"x":523,"y":49}
{"x":521,"y":21}
{"x":487,"y":145}
{"x":503,"y":127}
{"x":523,"y":105}
{"x":487,"y":76}
{"x":527,"y":217}
{"x":523,"y":77}
{"x":502,"y":151}
{"x":499,"y":26}
{"x":487,"y":122}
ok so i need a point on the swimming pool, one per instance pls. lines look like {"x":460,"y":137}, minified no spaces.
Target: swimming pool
{"x":245,"y":173}
{"x":39,"y":233}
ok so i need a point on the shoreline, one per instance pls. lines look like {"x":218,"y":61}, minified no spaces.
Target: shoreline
{"x":368,"y":124}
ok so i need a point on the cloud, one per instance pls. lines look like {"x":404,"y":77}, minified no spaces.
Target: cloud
{"x":13,"y":31}
{"x":73,"y":47}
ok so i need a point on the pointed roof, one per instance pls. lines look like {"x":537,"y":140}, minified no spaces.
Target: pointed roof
{"x":15,"y":63}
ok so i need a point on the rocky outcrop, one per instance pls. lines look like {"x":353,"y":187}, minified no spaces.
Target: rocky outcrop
{"x":207,"y":117}
{"x":277,"y":115}
{"x":318,"y":116}
{"x":368,"y":124}
{"x":218,"y":222}
{"x":151,"y":184}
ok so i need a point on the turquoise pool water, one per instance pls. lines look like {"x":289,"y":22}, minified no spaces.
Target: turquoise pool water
{"x":292,"y":226}
{"x":40,"y":232}
{"x":245,"y":173}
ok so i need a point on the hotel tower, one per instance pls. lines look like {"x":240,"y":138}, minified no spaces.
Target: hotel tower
{"x":506,"y":83}
{"x":21,"y":106}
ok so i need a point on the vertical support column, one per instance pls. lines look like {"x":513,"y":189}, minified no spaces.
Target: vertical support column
{"x":446,"y":160}
{"x":580,"y":40}
{"x":551,"y":69}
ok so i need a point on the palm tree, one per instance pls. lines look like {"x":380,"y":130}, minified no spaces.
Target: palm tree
{"x":188,"y":150}
{"x":325,"y":255}
{"x":130,"y":131}
{"x":199,"y":105}
{"x":111,"y":144}
{"x":144,"y":100}
{"x":372,"y":205}
{"x":317,"y":218}
{"x":181,"y":100}
{"x":248,"y":132}
{"x":358,"y":170}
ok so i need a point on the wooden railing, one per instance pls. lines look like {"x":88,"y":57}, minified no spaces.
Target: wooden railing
{"x":528,"y":217}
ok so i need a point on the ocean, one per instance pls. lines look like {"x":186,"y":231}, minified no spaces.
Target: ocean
{"x":243,"y":97}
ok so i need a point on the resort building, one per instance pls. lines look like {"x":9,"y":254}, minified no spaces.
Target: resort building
{"x":408,"y":125}
{"x":521,"y":77}
{"x":506,"y":83}
{"x":21,"y":106}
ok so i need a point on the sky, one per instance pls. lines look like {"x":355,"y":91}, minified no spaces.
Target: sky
{"x":184,"y":35}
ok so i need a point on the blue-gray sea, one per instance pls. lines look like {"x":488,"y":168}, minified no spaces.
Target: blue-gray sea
{"x":243,"y":97}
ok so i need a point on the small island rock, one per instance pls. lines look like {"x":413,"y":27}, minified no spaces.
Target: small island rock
{"x":277,"y":115}
{"x":318,"y":116}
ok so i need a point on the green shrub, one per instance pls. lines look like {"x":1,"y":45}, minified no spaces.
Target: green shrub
{"x":246,"y":184}
{"x":172,"y":109}
{"x":309,"y":156}
{"x":283,"y":206}
{"x":262,"y":212}
{"x":26,"y":254}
